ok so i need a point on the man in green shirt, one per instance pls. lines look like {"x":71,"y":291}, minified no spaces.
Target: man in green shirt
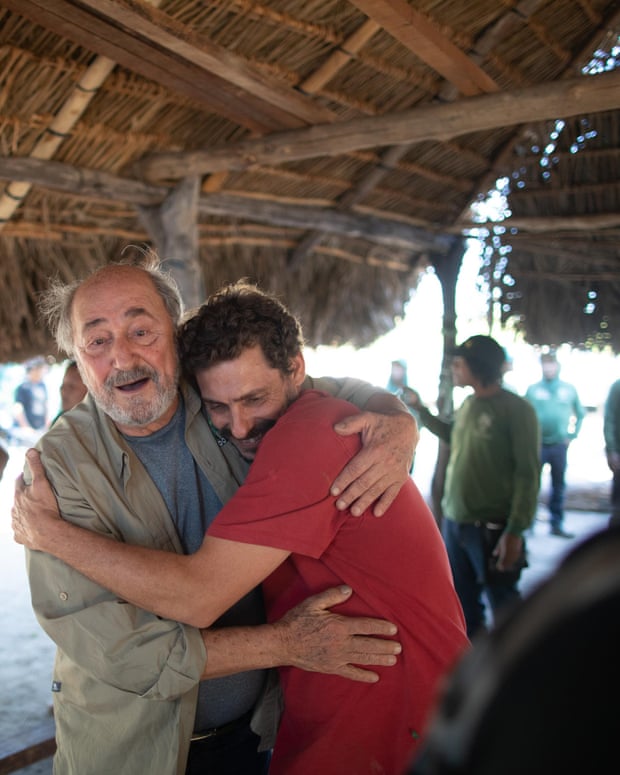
{"x":560,"y":415}
{"x":492,"y":480}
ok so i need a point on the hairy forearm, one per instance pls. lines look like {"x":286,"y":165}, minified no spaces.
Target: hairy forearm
{"x":235,"y":649}
{"x":230,"y":650}
{"x":387,"y":403}
{"x":151,"y":580}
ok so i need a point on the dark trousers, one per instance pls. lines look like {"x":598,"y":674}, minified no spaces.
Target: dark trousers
{"x":555,"y":455}
{"x":468,"y":555}
{"x":233,"y":753}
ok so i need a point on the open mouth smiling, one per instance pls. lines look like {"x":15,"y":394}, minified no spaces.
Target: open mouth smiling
{"x":132,"y":387}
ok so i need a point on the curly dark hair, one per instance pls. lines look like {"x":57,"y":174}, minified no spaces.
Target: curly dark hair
{"x":239,"y":316}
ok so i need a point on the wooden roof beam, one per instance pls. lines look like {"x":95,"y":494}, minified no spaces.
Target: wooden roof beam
{"x":542,"y":224}
{"x":100,"y":185}
{"x":392,"y":156}
{"x":147,"y":41}
{"x":382,"y":231}
{"x":428,"y":43}
{"x":558,"y":99}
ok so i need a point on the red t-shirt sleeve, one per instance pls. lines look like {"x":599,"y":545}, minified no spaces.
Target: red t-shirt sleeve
{"x":285,"y":500}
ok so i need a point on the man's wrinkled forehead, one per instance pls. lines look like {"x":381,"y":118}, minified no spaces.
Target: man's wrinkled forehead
{"x":121,"y":292}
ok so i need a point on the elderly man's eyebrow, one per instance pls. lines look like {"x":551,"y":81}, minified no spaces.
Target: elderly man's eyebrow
{"x":132,"y":312}
{"x":136,"y":312}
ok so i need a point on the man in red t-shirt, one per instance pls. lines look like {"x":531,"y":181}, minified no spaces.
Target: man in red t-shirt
{"x":397,"y":569}
{"x":244,"y":350}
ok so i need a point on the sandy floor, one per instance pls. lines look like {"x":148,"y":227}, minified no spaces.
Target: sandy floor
{"x":26,"y":654}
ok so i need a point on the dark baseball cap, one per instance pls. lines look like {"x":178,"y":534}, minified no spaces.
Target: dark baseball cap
{"x":481,"y":350}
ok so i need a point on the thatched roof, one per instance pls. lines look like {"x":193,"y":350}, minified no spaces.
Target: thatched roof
{"x":335,"y":147}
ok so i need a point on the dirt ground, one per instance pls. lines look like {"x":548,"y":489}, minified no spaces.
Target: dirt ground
{"x":26,"y":653}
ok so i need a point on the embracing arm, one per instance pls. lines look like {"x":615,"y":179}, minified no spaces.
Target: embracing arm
{"x":309,"y":636}
{"x":154,"y":658}
{"x":195,"y":589}
{"x":389,"y":436}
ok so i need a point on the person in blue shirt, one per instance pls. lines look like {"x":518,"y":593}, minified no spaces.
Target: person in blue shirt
{"x":31,"y":400}
{"x":560,"y":414}
{"x":611,"y":432}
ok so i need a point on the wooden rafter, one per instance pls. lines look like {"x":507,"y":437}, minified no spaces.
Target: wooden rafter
{"x":92,"y":183}
{"x":541,"y":224}
{"x":147,"y":41}
{"x":437,"y":51}
{"x":559,"y":99}
{"x":426,"y":41}
{"x":339,"y":58}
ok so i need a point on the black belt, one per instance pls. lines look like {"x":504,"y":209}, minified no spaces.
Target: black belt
{"x":223,"y":729}
{"x":491,"y":525}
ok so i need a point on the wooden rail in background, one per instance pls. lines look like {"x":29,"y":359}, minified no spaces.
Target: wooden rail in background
{"x":27,"y":748}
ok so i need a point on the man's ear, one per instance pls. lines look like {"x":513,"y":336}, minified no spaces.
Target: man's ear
{"x":298,"y":365}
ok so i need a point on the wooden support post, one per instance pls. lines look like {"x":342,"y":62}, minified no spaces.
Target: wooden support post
{"x":173,"y":226}
{"x":447,"y":268}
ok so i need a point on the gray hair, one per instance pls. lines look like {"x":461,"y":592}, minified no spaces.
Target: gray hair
{"x":56,"y":303}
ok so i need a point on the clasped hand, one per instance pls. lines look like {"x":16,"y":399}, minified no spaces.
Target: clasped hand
{"x":34,"y":507}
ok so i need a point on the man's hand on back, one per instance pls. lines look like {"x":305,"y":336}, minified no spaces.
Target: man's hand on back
{"x":378,"y":471}
{"x":324,"y":642}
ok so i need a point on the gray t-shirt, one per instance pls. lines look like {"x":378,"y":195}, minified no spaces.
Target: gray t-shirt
{"x":193,"y":505}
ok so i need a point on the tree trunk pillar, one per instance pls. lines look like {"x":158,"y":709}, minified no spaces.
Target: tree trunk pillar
{"x":173,"y":227}
{"x":447,"y":268}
